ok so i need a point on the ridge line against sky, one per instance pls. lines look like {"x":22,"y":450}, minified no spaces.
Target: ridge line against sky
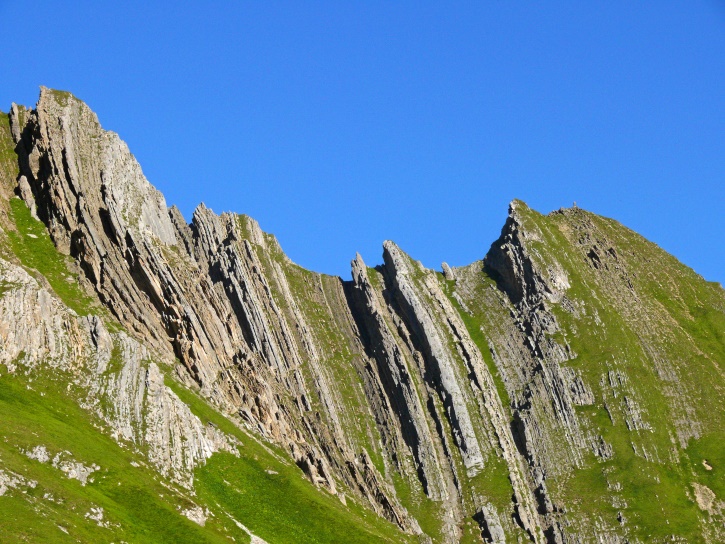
{"x":337,"y":127}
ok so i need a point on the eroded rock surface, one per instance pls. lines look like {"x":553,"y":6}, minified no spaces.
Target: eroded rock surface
{"x":527,"y":397}
{"x":117,"y":375}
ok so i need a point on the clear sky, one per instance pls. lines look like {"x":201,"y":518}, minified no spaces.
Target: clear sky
{"x":338,"y":125}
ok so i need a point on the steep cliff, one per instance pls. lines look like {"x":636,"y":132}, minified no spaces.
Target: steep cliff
{"x":566,"y":388}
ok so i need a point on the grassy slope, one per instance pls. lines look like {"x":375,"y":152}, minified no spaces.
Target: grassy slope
{"x":34,"y":411}
{"x":267,"y":493}
{"x":687,"y":315}
{"x":688,"y":312}
{"x":31,"y":244}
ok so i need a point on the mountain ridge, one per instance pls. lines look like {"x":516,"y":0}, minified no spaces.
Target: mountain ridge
{"x":478,"y":403}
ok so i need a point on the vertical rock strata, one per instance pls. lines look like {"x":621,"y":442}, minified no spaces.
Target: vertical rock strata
{"x":197,"y":292}
{"x":455,"y":369}
{"x":471,"y":405}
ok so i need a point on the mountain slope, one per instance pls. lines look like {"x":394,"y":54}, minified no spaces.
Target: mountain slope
{"x":565,"y":388}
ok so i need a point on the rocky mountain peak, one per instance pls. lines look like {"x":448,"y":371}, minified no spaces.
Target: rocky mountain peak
{"x":565,"y":388}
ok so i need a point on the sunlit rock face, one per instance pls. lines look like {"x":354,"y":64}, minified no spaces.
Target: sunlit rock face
{"x":565,"y":388}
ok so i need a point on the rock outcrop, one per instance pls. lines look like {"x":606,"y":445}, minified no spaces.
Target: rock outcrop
{"x":197,"y":292}
{"x":116,"y":375}
{"x":530,"y":396}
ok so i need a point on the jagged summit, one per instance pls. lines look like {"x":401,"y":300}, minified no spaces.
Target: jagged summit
{"x":545,"y":393}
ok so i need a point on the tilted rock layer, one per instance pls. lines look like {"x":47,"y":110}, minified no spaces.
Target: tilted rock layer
{"x":566,"y":388}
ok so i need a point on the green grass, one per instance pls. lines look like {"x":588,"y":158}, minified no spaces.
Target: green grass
{"x":8,"y":158}
{"x":36,"y":411}
{"x":33,"y":246}
{"x":426,"y":511}
{"x":284,"y":508}
{"x":269,"y":494}
{"x":656,"y":493}
{"x":473,"y":326}
{"x":708,"y":448}
{"x":685,"y":323}
{"x":61,"y":97}
{"x":280,"y":507}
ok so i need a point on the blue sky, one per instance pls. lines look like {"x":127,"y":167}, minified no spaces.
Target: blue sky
{"x":338,"y":125}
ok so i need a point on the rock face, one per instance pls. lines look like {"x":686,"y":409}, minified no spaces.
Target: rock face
{"x":530,"y":396}
{"x":116,"y":373}
{"x":201,"y":293}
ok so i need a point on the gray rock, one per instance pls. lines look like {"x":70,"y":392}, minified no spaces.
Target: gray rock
{"x":371,"y":386}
